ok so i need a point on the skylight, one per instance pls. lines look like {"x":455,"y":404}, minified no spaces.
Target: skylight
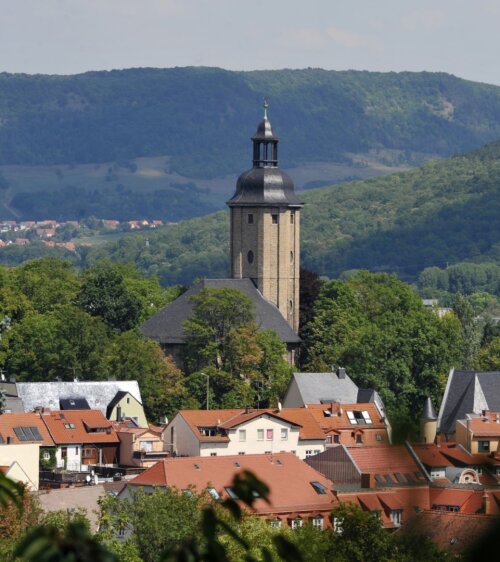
{"x":357,"y":417}
{"x":231,"y":493}
{"x":318,"y":488}
{"x":214,"y":493}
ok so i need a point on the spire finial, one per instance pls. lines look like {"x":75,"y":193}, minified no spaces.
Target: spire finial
{"x":265,"y":105}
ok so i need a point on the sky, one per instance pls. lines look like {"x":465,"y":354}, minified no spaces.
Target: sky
{"x":461,"y":37}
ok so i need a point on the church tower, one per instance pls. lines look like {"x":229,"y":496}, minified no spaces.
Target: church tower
{"x":265,"y":226}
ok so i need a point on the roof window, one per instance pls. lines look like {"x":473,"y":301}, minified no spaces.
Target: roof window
{"x":318,"y":488}
{"x":214,"y":493}
{"x":69,"y":426}
{"x":359,"y":417}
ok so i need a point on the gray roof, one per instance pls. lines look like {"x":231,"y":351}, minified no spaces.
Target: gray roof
{"x":98,"y":394}
{"x":13,"y":403}
{"x":468,"y":392}
{"x":166,"y":326}
{"x":428,"y":413}
{"x":316,"y":388}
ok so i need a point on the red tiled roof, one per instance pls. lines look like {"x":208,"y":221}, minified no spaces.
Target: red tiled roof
{"x":286,"y":475}
{"x":443,"y":454}
{"x":82,"y":421}
{"x":455,"y":532}
{"x":226,"y":419}
{"x":10,"y":421}
{"x":339,"y":420}
{"x":383,"y":459}
{"x":450,"y":496}
{"x":390,"y":500}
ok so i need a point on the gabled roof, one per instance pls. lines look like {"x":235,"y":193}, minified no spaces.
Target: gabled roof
{"x":10,"y":424}
{"x":391,"y":465}
{"x":315,"y":388}
{"x":468,"y":392}
{"x":120,"y":395}
{"x":288,"y":478}
{"x":166,"y":326}
{"x":75,"y":426}
{"x":229,"y":419}
{"x":443,"y":454}
{"x":98,"y":394}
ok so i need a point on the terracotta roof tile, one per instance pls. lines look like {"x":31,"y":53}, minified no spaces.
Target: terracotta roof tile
{"x":10,"y":421}
{"x":79,"y":422}
{"x":383,"y":459}
{"x":286,"y":475}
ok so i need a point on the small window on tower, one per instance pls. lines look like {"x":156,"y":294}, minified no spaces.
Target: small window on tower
{"x":292,"y":218}
{"x":250,"y":218}
{"x":291,"y":257}
{"x":250,"y":256}
{"x":291,"y":306}
{"x":274,"y":219}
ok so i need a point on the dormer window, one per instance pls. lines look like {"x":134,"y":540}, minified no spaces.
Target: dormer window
{"x":208,"y":431}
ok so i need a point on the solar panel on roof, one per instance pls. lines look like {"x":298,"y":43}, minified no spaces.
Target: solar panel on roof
{"x":399,"y":477}
{"x":19,"y":431}
{"x":36,"y":434}
{"x":409,"y":477}
{"x":379,"y":479}
{"x":388,"y":479}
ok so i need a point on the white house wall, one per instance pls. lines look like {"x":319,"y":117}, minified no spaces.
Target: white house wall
{"x":73,"y":458}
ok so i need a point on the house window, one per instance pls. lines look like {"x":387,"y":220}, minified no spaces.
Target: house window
{"x":337,"y":525}
{"x":483,"y":446}
{"x":128,"y":400}
{"x":309,"y":453}
{"x":46,"y":456}
{"x":336,"y":438}
{"x":378,"y":437}
{"x":241,"y":453}
{"x":242,"y":433}
{"x":359,"y":439}
{"x":268,"y":452}
{"x":317,"y":522}
{"x":121,"y":532}
{"x":69,"y":426}
{"x":291,"y":257}
{"x":146,"y":446}
{"x":276,"y":523}
{"x":284,"y":434}
{"x":213,"y":454}
{"x":396,"y":516}
{"x":274,"y":219}
{"x":292,"y":218}
{"x":296,"y":523}
{"x":260,"y":435}
{"x":64,"y":452}
{"x":269,"y":434}
{"x":318,"y":488}
{"x":250,"y":218}
{"x":250,"y":256}
{"x":88,"y":453}
{"x":214,"y":493}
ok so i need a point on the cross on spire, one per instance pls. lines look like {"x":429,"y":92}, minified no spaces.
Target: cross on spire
{"x":265,"y":105}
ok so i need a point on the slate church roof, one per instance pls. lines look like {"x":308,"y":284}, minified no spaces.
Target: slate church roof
{"x":167,"y":325}
{"x":468,"y":392}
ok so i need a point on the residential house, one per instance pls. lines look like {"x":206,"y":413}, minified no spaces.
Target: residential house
{"x":98,"y":395}
{"x":245,"y":431}
{"x":351,"y":424}
{"x":22,"y":242}
{"x":126,"y":405}
{"x":82,"y":438}
{"x":452,"y":463}
{"x":141,"y":447}
{"x":20,"y":462}
{"x":18,"y":429}
{"x":479,"y":434}
{"x":326,"y":388}
{"x":298,"y":494}
{"x":369,"y":467}
{"x":467,"y":392}
{"x":167,"y":326}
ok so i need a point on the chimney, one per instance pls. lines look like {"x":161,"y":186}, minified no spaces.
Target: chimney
{"x":247,"y":410}
{"x":368,"y":480}
{"x":341,"y":373}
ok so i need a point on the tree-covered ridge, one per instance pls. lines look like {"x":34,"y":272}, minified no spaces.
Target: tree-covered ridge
{"x":202,"y":117}
{"x":445,"y":211}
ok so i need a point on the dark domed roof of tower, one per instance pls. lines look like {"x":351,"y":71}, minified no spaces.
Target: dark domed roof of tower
{"x":265,"y":183}
{"x":265,"y":186}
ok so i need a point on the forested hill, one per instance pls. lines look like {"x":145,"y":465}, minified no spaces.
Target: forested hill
{"x":445,"y":211}
{"x":202,"y":117}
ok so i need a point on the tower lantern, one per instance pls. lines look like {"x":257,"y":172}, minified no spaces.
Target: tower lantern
{"x":265,"y":226}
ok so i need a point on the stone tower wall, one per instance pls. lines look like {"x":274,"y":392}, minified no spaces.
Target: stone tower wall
{"x":275,"y":267}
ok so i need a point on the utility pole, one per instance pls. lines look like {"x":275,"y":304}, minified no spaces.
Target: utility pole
{"x":208,"y":389}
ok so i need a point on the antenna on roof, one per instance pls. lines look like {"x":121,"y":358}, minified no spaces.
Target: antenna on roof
{"x":265,"y":105}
